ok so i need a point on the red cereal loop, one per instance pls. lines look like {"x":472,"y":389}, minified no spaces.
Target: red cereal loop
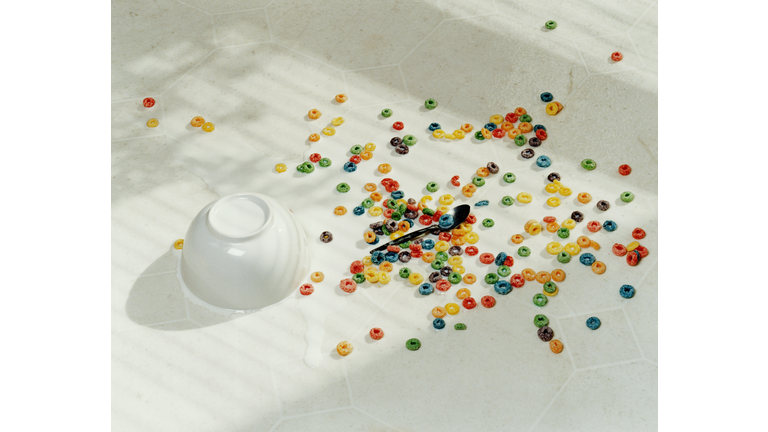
{"x":517,"y":280}
{"x":356,"y":267}
{"x":393,"y":248}
{"x":149,"y":102}
{"x":541,"y":134}
{"x":619,"y":249}
{"x":471,"y":250}
{"x":388,"y":212}
{"x":414,"y":247}
{"x":643,"y":251}
{"x":444,"y":236}
{"x":393,"y":186}
{"x":488,"y":301}
{"x":509,"y":262}
{"x":469,"y":303}
{"x":417,"y":253}
{"x":625,"y":170}
{"x":633,"y":257}
{"x":348,"y":285}
{"x":498,"y":133}
{"x":423,"y":219}
{"x":306,"y":289}
{"x":398,"y":126}
{"x":549,"y":219}
{"x":376,"y":333}
{"x":617,"y":56}
{"x":386,"y":181}
{"x":486,"y":258}
{"x":412,"y":207}
{"x":594,"y":226}
{"x":471,"y":219}
{"x":443,"y":285}
{"x":455,"y":181}
{"x":436,"y":216}
{"x":315,"y":157}
{"x":356,"y":159}
{"x":638,"y":233}
{"x":511,"y":117}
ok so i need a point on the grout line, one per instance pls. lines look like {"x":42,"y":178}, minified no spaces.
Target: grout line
{"x":128,"y":100}
{"x":140,"y":137}
{"x":302,"y":54}
{"x":382,"y":103}
{"x":552,"y":401}
{"x":420,"y":42}
{"x":578,"y":87}
{"x":606,"y":365}
{"x":188,"y":71}
{"x":641,"y":17}
{"x":439,"y":5}
{"x":376,"y":418}
{"x":405,"y":84}
{"x":277,"y":392}
{"x":277,"y":423}
{"x":618,"y":71}
{"x":645,"y":66}
{"x":238,"y":11}
{"x":242,"y":45}
{"x":652,"y":362}
{"x":599,"y":37}
{"x":315,"y":413}
{"x":166,"y":322}
{"x":215,"y":38}
{"x":193,"y":7}
{"x":495,"y":6}
{"x":632,"y":330}
{"x":372,"y":67}
{"x":349,"y":384}
{"x":583,"y":62}
{"x":269,"y":24}
{"x":471,"y":16}
{"x":565,"y":341}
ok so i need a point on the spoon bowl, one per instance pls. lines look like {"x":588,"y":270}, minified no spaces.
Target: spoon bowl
{"x":459,"y":213}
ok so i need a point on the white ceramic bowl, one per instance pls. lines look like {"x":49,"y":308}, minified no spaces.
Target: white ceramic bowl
{"x":244,"y":252}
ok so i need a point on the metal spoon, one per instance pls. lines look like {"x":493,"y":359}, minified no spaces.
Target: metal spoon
{"x":459,"y":214}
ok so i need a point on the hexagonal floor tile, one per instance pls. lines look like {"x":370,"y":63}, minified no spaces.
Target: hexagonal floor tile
{"x":646,"y":36}
{"x":611,"y":342}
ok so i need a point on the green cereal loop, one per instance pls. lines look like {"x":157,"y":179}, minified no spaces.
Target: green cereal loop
{"x":478,"y":181}
{"x":358,"y":277}
{"x":563,"y":233}
{"x":405,"y":272}
{"x":413,"y":344}
{"x":550,"y":287}
{"x":488,"y":222}
{"x":406,"y":244}
{"x":479,"y":136}
{"x":442,"y":256}
{"x":396,"y":215}
{"x":386,"y":231}
{"x":520,"y":140}
{"x":308,"y":167}
{"x":402,"y":208}
{"x":507,"y":200}
{"x":491,"y":278}
{"x":367,"y":203}
{"x":524,"y":251}
{"x":540,"y":320}
{"x":588,"y":164}
{"x":432,"y":186}
{"x":460,"y":326}
{"x":563,"y":257}
{"x":325,"y":162}
{"x":540,"y":300}
{"x":300,"y":168}
{"x":437,"y":264}
{"x":504,"y":271}
{"x":526,"y":118}
{"x":409,"y":140}
{"x":550,"y":25}
{"x":627,"y":196}
{"x":342,"y":187}
{"x":386,"y":112}
{"x":390,"y":203}
{"x":509,"y":178}
{"x":454,"y":278}
{"x":356,"y":149}
{"x":430,"y":104}
{"x":428,"y":211}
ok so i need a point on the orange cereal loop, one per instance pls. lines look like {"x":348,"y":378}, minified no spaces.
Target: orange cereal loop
{"x":486,"y":133}
{"x":556,"y":346}
{"x":467,"y":128}
{"x":559,"y":106}
{"x":583,"y":241}
{"x":366,"y":155}
{"x":558,"y":275}
{"x":314,"y":114}
{"x":543,"y":277}
{"x":584,"y":197}
{"x":178,"y":244}
{"x":385,"y":168}
{"x":514,"y":132}
{"x":197,"y":121}
{"x":520,"y":111}
{"x":525,"y":127}
{"x":552,"y":227}
{"x":483,"y":172}
{"x":438,"y":312}
{"x":344,"y":348}
{"x":528,"y":224}
{"x":463,"y":293}
{"x":595,"y":245}
{"x":317,"y":276}
{"x":428,"y":257}
{"x":507,"y":126}
{"x":314,"y":137}
{"x":386,"y":266}
{"x":376,"y":196}
{"x":458,"y":240}
{"x":598,"y":267}
{"x":340,"y":210}
{"x":404,"y":226}
{"x":528,"y":274}
{"x":469,"y":279}
{"x":370,"y":187}
{"x":517,"y":239}
{"x":341,"y":98}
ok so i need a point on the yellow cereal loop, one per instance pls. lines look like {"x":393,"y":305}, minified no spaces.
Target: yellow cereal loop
{"x":466,"y":228}
{"x":552,"y":188}
{"x":552,"y":108}
{"x":337,"y":121}
{"x":463,"y":293}
{"x":280,"y":167}
{"x":459,"y":134}
{"x":472,"y":238}
{"x":179,"y":244}
{"x":426,"y":198}
{"x":444,"y":209}
{"x":386,"y":266}
{"x":449,"y":136}
{"x":375,"y":211}
{"x":370,"y":147}
{"x":569,"y":223}
{"x":497,"y":119}
{"x":593,"y":244}
{"x":442,"y":246}
{"x":632,"y":246}
{"x":402,"y":201}
{"x":552,"y":294}
{"x":554,"y":248}
{"x":370,"y":270}
{"x":553,"y":201}
{"x":384,"y":278}
{"x":438,"y":133}
{"x":446,"y":199}
{"x":329,"y":131}
{"x":396,"y":235}
{"x":564,"y":191}
{"x":452,"y":308}
{"x":367,"y":260}
{"x":455,"y":260}
{"x":372,"y":277}
{"x":458,"y":269}
{"x":524,"y":197}
{"x":415,"y":279}
{"x":572,"y":249}
{"x":533,"y":228}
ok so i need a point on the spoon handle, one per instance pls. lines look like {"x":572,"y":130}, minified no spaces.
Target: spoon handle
{"x":410,"y":236}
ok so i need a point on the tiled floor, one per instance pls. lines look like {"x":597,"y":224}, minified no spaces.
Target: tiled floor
{"x":254,"y":68}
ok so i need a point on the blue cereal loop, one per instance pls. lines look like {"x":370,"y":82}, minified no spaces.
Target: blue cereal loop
{"x":481,"y":203}
{"x":502,"y":287}
{"x":587,"y":258}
